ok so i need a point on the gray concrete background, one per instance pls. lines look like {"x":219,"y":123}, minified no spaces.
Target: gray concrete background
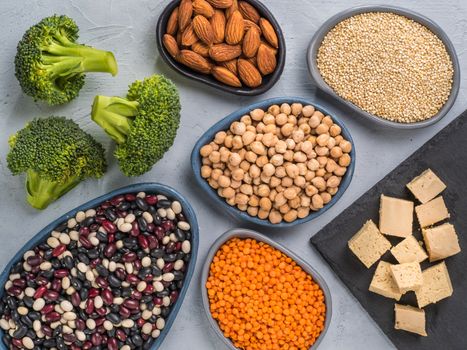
{"x":128,"y":29}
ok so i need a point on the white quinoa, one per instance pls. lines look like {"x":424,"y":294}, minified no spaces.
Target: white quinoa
{"x":387,"y":65}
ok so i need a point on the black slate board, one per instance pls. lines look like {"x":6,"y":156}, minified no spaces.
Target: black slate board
{"x":446,"y":321}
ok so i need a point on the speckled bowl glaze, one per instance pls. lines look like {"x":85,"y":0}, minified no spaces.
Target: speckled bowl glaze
{"x":243,"y":234}
{"x":224,"y":124}
{"x":268,"y":81}
{"x":144,"y":187}
{"x":333,"y":21}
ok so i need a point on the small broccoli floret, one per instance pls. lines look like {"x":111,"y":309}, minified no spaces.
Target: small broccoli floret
{"x":144,"y":124}
{"x":49,"y":64}
{"x":56,"y":155}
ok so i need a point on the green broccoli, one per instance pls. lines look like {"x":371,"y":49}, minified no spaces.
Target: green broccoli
{"x":144,"y":124}
{"x":49,"y":64}
{"x":56,"y":155}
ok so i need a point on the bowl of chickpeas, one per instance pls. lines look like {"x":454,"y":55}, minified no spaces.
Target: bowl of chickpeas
{"x":280,"y":162}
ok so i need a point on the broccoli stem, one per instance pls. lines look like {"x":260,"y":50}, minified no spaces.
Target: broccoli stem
{"x":115,"y":115}
{"x":63,"y":58}
{"x":42,"y":192}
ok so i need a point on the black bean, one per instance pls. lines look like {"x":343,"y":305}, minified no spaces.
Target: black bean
{"x":178,"y":275}
{"x":126,"y":292}
{"x":114,"y":281}
{"x":143,"y":225}
{"x":124,"y":206}
{"x":28,"y":301}
{"x":165,"y":311}
{"x":114,"y":308}
{"x":113,"y":317}
{"x":61,"y":344}
{"x":48,"y":255}
{"x":67,"y":262}
{"x":26,"y":320}
{"x":153,"y":319}
{"x":171,"y":257}
{"x":31,"y":333}
{"x":187,"y":257}
{"x":47,"y":274}
{"x":137,"y":340}
{"x":156,"y":272}
{"x":34,"y":315}
{"x":157,"y":253}
{"x":77,"y":284}
{"x":83,"y":293}
{"x":101,"y":236}
{"x":144,"y":272}
{"x":20,"y":331}
{"x":72,"y":245}
{"x":83,"y":258}
{"x":15,"y":315}
{"x":62,"y":227}
{"x":136,"y":316}
{"x":93,"y":253}
{"x":179,"y":284}
{"x":102,"y":271}
{"x":188,"y":235}
{"x":49,"y":343}
{"x":141,"y":203}
{"x":116,"y":257}
{"x":11,"y":302}
{"x":180,"y":235}
{"x":163,"y":293}
{"x":164,"y":203}
{"x":110,"y":214}
{"x":88,"y":221}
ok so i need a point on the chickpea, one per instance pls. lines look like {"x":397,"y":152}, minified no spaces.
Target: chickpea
{"x":339,"y":139}
{"x":253,"y":201}
{"x":299,"y":181}
{"x":305,"y":128}
{"x":213,"y":183}
{"x":220,"y":166}
{"x":336,"y":152}
{"x":290,"y":192}
{"x":280,"y":147}
{"x":320,"y":172}
{"x":265,"y":203}
{"x":262,"y":161}
{"x":269,"y":119}
{"x":252,"y":211}
{"x":300,"y":157}
{"x":307,"y":147}
{"x":269,"y":169}
{"x":294,"y":203}
{"x":288,"y":155}
{"x":275,"y":217}
{"x":234,"y":159}
{"x":287,"y":129}
{"x":235,"y":184}
{"x":223,"y":181}
{"x":206,"y":171}
{"x":344,"y":160}
{"x":296,"y":109}
{"x":270,"y":129}
{"x":258,"y":148}
{"x":259,"y":127}
{"x":303,"y":212}
{"x":331,"y":143}
{"x":319,"y":183}
{"x":331,"y":165}
{"x":271,"y":151}
{"x":322,"y":129}
{"x":257,"y":114}
{"x":206,"y":161}
{"x":228,"y":141}
{"x":314,"y":121}
{"x":254,"y":171}
{"x":248,"y":137}
{"x":269,"y":140}
{"x":305,"y":200}
{"x":265,"y":179}
{"x":312,"y":139}
{"x":312,"y":164}
{"x":241,"y":199}
{"x":284,"y":209}
{"x":286,"y":109}
{"x":242,"y":207}
{"x":333,"y":181}
{"x":215,"y":174}
{"x":286,"y":182}
{"x":247,"y":179}
{"x":246,"y":189}
{"x":251,"y":156}
{"x":311,"y":190}
{"x":280,"y":200}
{"x":292,"y":170}
{"x":237,"y":142}
{"x":275,"y":181}
{"x":277,"y":160}
{"x":251,"y":128}
{"x":322,"y":140}
{"x":346,"y":146}
{"x":263,"y":214}
{"x":220,"y":137}
{"x":298,"y":135}
{"x":335,"y":130}
{"x":228,"y":192}
{"x":333,"y":191}
{"x":322,"y":161}
{"x":281,"y":119}
{"x":257,"y":181}
{"x":231,"y":201}
{"x":238,"y":174}
{"x":317,"y":201}
{"x":215,"y":146}
{"x":246,"y":119}
{"x":291,"y":119}
{"x":340,"y":171}
{"x":327,"y":176}
{"x":321,"y":151}
{"x":326,"y":197}
{"x":302,"y":169}
{"x":308,"y":111}
{"x":263,"y":190}
{"x":309,"y":175}
{"x":205,"y":151}
{"x":274,"y":110}
{"x":327,"y":120}
{"x":280,"y":188}
{"x":290,"y":216}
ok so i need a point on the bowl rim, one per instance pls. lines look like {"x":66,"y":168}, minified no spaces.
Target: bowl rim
{"x":244,"y":234}
{"x":209,"y":80}
{"x":417,"y":17}
{"x":224,"y":124}
{"x":138,"y":187}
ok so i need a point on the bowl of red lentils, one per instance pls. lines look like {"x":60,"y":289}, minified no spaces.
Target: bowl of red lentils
{"x":390,"y":65}
{"x":259,"y":295}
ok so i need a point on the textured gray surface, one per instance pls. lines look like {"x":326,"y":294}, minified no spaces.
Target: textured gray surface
{"x":127,"y":28}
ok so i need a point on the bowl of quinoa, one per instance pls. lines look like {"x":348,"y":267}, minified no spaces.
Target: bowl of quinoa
{"x":388,"y":64}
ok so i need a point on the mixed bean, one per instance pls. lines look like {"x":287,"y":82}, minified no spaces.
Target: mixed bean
{"x":105,"y":279}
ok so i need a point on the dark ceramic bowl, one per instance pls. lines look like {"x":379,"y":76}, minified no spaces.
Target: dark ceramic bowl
{"x":145,"y":187}
{"x":333,"y":21}
{"x":224,"y":124}
{"x":244,"y":234}
{"x":268,"y":80}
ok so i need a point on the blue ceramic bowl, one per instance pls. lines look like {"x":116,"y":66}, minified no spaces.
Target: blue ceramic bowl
{"x":145,"y":187}
{"x":224,"y":124}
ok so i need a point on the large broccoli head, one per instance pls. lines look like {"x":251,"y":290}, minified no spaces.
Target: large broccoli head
{"x":144,"y":124}
{"x":49,"y":65}
{"x":56,"y":155}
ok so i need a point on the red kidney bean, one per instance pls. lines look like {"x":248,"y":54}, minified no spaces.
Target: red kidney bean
{"x":107,"y":296}
{"x":75,"y":347}
{"x":157,"y":301}
{"x":159,"y":232}
{"x":80,"y":324}
{"x":148,"y":278}
{"x":122,"y":214}
{"x":56,"y":285}
{"x":58,"y":250}
{"x":134,"y":229}
{"x":178,"y":246}
{"x":112,"y":344}
{"x":151,"y":227}
{"x":41,"y":280}
{"x":75,"y":299}
{"x":35,"y":269}
{"x":109,"y":226}
{"x":101,"y":311}
{"x":87,"y":345}
{"x":140,"y":322}
{"x":110,"y":250}
{"x":117,"y":200}
{"x":153,"y":242}
{"x":94,"y":263}
{"x":124,"y":312}
{"x":149,"y":289}
{"x":120,"y":334}
{"x":100,"y":219}
{"x":151,"y":199}
{"x":131,"y":278}
{"x":120,"y":273}
{"x":106,"y":205}
{"x":167,"y":225}
{"x":47,"y":309}
{"x":34,"y":260}
{"x":102,"y":282}
{"x":47,"y":330}
{"x":69,"y":337}
{"x":111,"y":237}
{"x":84,"y":231}
{"x":129,"y":257}
{"x":96,"y":339}
{"x":89,"y":308}
{"x":52,"y":316}
{"x":61,"y":273}
{"x":18,"y":343}
{"x":131,"y":304}
{"x":136,"y":295}
{"x":137,"y":264}
{"x":85,"y":242}
{"x":20,"y":283}
{"x":173,"y":296}
{"x":143,"y":242}
{"x":93,"y":292}
{"x":14,"y":291}
{"x":168,"y":267}
{"x":51,"y":295}
{"x":130,"y":197}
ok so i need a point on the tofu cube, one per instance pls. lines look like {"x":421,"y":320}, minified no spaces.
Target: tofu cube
{"x":426,"y":186}
{"x":432,"y":212}
{"x":436,"y":285}
{"x":408,"y":276}
{"x":409,"y":250}
{"x":441,"y":241}
{"x":383,"y":282}
{"x":369,"y":244}
{"x":395,"y":216}
{"x":410,"y":319}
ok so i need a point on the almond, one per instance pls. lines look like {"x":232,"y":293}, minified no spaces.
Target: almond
{"x":200,"y":48}
{"x":170,"y":44}
{"x":225,"y":76}
{"x":224,"y":52}
{"x":247,"y":24}
{"x":172,"y":23}
{"x":185,"y":11}
{"x":234,"y":29}
{"x":248,"y":11}
{"x":202,"y":7}
{"x":218,"y":26}
{"x":230,"y":65}
{"x":251,"y":42}
{"x":266,"y":60}
{"x":265,"y":43}
{"x":249,"y":75}
{"x":194,"y":61}
{"x":179,"y":38}
{"x":220,"y":4}
{"x":189,"y":36}
{"x":231,"y":9}
{"x":268,"y":32}
{"x":253,"y":61}
{"x":203,"y":29}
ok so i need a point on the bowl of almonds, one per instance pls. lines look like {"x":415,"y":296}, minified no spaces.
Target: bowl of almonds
{"x":235,"y":46}
{"x":276,"y":163}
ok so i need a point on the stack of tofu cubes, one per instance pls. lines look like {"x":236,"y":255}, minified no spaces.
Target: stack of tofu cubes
{"x":393,"y":280}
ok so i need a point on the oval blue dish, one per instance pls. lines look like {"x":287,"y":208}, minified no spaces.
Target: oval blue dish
{"x":224,"y":124}
{"x":145,"y":187}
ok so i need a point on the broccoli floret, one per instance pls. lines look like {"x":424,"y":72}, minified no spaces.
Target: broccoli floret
{"x":56,"y":155}
{"x":49,"y":64}
{"x":144,"y":124}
